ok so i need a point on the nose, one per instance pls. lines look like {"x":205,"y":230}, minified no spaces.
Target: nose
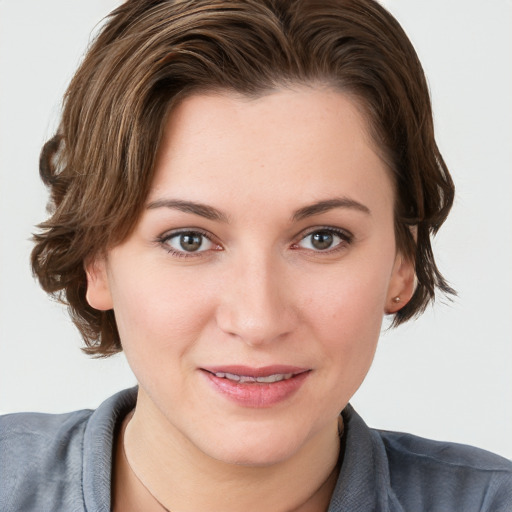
{"x":256,"y":303}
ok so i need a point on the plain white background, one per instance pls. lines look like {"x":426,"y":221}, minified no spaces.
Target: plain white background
{"x":447,"y":376}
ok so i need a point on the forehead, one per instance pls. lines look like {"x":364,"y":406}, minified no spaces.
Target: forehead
{"x":289,"y":145}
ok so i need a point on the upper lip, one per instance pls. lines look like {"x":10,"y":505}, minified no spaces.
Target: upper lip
{"x":249,"y":371}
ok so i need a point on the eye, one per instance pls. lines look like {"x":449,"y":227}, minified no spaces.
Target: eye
{"x":187,"y":242}
{"x":324,"y":240}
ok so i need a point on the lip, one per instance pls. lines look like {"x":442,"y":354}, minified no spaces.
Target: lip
{"x":263,"y":371}
{"x":255,"y":394}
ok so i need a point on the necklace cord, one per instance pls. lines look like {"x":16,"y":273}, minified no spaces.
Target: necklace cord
{"x":341,"y":431}
{"x":164,"y":508}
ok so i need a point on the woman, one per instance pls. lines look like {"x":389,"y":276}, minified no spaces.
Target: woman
{"x":241,"y":190}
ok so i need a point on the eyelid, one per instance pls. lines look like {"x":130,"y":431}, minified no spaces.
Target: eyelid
{"x":346,"y":239}
{"x":173,"y":233}
{"x":344,"y":233}
{"x":346,"y":236}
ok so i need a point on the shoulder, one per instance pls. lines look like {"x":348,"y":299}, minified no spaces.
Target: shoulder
{"x":399,"y":472}
{"x":446,"y":476}
{"x":60,"y":462}
{"x":41,"y":455}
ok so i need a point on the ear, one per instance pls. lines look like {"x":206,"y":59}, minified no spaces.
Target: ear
{"x":401,"y":285}
{"x":98,"y":294}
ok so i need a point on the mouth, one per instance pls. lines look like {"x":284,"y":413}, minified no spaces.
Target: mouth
{"x":244,"y":379}
{"x":257,"y":387}
{"x":262,"y":375}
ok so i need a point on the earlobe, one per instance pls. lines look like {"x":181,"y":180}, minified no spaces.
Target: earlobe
{"x":401,"y":286}
{"x":98,"y":294}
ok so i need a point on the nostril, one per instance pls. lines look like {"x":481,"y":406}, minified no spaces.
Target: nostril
{"x":254,"y":303}
{"x":255,"y":326}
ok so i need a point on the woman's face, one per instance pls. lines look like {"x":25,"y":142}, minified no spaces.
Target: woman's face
{"x":249,"y":298}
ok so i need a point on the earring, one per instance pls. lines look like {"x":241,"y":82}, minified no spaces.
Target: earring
{"x":396,"y":300}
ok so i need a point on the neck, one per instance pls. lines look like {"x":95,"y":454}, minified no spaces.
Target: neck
{"x":163,"y":470}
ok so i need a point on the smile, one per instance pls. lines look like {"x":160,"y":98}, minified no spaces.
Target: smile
{"x":256,"y":387}
{"x":277,"y":377}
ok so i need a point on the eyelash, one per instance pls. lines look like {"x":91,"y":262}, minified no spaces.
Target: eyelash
{"x":346,"y":238}
{"x":165,"y":238}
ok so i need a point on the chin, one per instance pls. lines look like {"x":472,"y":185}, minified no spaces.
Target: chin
{"x":255,"y":447}
{"x":254,"y":456}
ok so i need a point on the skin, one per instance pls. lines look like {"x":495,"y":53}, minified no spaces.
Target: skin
{"x":258,"y":292}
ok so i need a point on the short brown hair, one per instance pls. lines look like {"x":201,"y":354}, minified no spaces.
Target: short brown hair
{"x":150,"y":54}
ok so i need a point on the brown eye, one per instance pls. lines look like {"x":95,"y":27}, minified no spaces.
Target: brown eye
{"x":187,"y":242}
{"x":325,"y":239}
{"x":191,"y":242}
{"x":322,"y":240}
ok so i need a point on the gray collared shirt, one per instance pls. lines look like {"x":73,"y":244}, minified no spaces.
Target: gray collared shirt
{"x":63,"y":463}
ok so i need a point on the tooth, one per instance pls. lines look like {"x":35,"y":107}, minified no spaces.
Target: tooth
{"x":269,"y":379}
{"x":275,"y":378}
{"x":247,"y":378}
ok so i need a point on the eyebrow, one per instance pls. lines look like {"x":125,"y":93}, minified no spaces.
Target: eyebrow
{"x":329,"y":204}
{"x":203,"y":210}
{"x":211,"y":213}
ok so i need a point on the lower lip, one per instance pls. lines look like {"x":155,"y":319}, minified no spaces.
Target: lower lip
{"x":257,"y":394}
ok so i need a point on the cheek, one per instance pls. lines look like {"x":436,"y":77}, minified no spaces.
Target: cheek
{"x":347,"y":317}
{"x":157,"y":313}
{"x":351,"y":295}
